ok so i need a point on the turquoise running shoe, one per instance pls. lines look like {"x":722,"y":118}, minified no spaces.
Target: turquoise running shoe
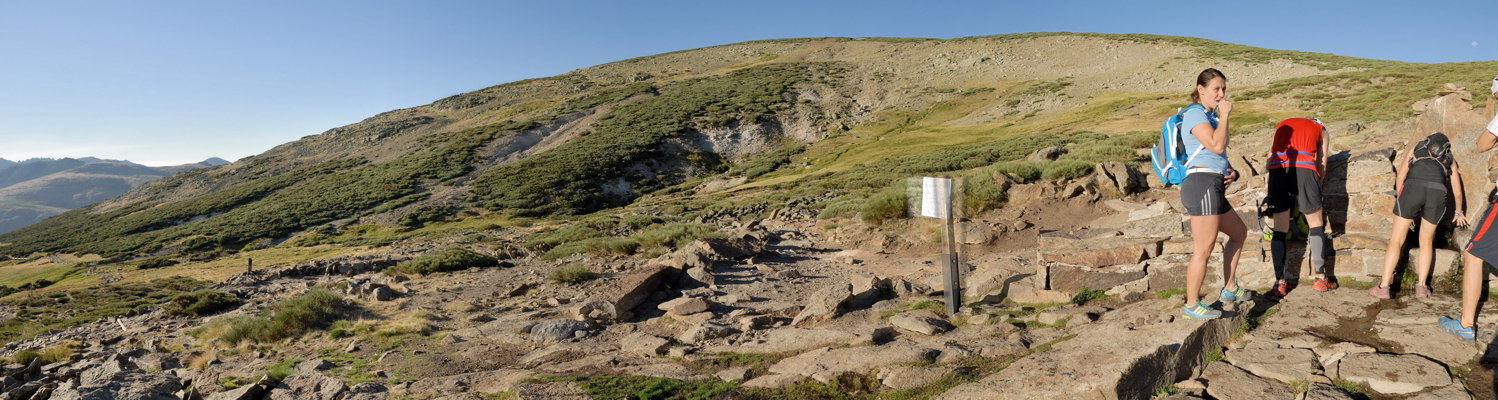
{"x":1454,"y":326}
{"x":1199,"y":311}
{"x":1234,"y":296}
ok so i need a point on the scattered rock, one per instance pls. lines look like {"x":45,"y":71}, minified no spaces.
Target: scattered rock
{"x":556,"y":330}
{"x":921,"y":321}
{"x":1227,"y":382}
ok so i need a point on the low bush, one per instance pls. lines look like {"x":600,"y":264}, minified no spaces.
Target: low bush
{"x":448,"y":259}
{"x":200,"y":303}
{"x":573,"y":273}
{"x":886,"y":205}
{"x":315,"y":309}
{"x":421,"y":215}
{"x":1066,"y":169}
{"x":980,"y":193}
{"x":1020,"y":171}
{"x":151,"y":263}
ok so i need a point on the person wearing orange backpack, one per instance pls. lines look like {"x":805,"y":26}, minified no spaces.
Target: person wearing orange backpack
{"x":1295,"y":162}
{"x":1483,"y":248}
{"x":1426,"y":178}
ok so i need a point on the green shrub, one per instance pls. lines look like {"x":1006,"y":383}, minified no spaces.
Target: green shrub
{"x":315,"y":309}
{"x":1020,"y":171}
{"x":573,"y":273}
{"x":1066,"y":169}
{"x":1085,"y":295}
{"x":1098,"y":153}
{"x":157,"y":262}
{"x":675,"y":235}
{"x":448,"y":259}
{"x":650,"y":388}
{"x":282,"y":369}
{"x":841,"y":207}
{"x":597,"y":246}
{"x":423,"y":214}
{"x":980,"y":193}
{"x":200,"y":303}
{"x":886,"y":205}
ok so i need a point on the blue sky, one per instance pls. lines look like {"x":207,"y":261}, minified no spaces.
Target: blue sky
{"x":168,"y":82}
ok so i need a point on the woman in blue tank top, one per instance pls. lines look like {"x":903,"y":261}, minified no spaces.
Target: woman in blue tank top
{"x":1204,"y":191}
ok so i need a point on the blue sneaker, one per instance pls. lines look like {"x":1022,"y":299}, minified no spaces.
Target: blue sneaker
{"x":1454,"y":326}
{"x":1226,"y":296}
{"x":1199,"y":311}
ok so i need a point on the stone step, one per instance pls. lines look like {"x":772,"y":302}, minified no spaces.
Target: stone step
{"x":1125,"y":355}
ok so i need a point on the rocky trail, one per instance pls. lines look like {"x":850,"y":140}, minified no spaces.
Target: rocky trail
{"x":1073,"y":290}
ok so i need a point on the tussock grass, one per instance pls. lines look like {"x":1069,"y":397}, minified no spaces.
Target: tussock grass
{"x":572,"y":273}
{"x":313,"y":310}
{"x":448,"y":259}
{"x":200,"y":302}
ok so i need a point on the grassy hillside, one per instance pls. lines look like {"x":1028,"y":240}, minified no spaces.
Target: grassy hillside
{"x":802,"y":118}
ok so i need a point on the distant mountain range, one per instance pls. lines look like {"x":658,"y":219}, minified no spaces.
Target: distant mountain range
{"x":35,"y":189}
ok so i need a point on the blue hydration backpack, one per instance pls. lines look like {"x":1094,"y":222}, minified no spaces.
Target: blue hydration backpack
{"x":1170,"y":156}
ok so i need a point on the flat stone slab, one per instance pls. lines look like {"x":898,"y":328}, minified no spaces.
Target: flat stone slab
{"x":1283,"y":365}
{"x":1129,"y":352}
{"x":1227,"y":382}
{"x":1393,"y":373}
{"x":1414,"y":328}
{"x":789,"y":339}
{"x":826,"y":363}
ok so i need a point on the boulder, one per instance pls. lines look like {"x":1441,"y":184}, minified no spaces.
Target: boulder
{"x":621,"y":295}
{"x":1072,"y":278}
{"x":312,"y":386}
{"x":1101,"y":252}
{"x":911,"y":377}
{"x":824,"y":304}
{"x":685,"y":306}
{"x":1227,"y":382}
{"x":644,"y":344}
{"x":706,"y":331}
{"x":556,"y":330}
{"x":921,"y":321}
{"x":1048,"y":153}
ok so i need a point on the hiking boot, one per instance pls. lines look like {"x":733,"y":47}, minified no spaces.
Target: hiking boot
{"x":1281,"y":289}
{"x":1234,"y":296}
{"x":1199,"y":311}
{"x":1422,"y":291}
{"x":1455,"y":327}
{"x":1322,"y":284}
{"x":1381,"y":292}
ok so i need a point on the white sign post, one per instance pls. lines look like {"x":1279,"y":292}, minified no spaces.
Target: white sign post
{"x":936,"y":202}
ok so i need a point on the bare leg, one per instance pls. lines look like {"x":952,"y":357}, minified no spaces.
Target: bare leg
{"x":1203,"y":237}
{"x":1472,"y":270}
{"x":1427,"y":240}
{"x":1396,"y":245}
{"x":1236,"y":230}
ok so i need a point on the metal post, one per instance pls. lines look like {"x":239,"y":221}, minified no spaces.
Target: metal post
{"x":954,"y":281}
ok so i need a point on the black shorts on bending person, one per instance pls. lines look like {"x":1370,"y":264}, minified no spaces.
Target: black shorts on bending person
{"x":1293,"y":184}
{"x":1422,"y":199}
{"x":1203,"y":193}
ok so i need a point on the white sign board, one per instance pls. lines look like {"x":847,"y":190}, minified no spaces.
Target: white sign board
{"x":936,"y":197}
